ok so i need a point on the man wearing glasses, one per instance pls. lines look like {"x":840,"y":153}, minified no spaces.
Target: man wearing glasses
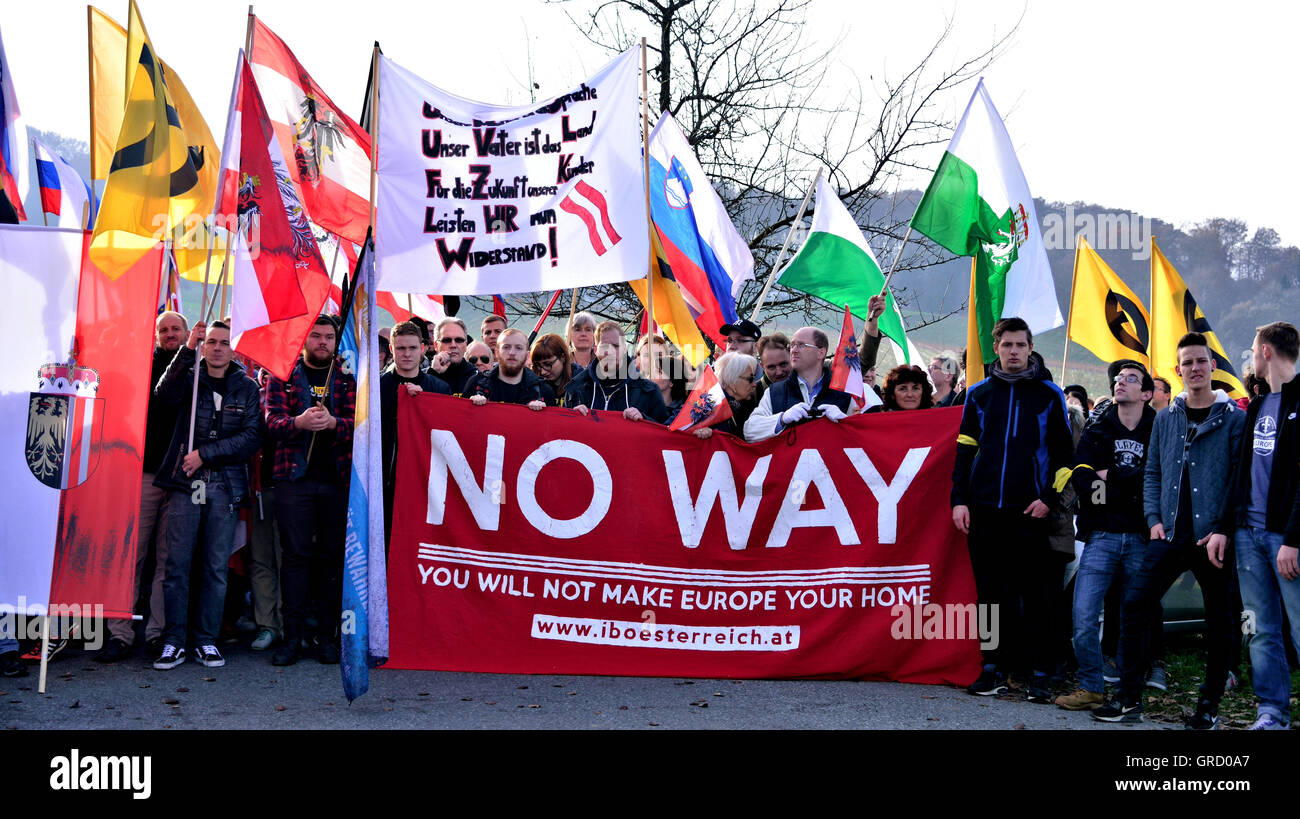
{"x":449,"y":363}
{"x":805,"y":394}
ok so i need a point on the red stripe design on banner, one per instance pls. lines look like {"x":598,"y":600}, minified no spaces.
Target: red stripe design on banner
{"x":569,"y":206}
{"x":599,"y":200}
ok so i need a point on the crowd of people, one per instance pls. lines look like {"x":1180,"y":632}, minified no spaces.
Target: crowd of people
{"x":1154,"y":485}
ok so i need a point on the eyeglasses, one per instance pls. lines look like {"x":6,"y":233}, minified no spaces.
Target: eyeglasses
{"x":1128,"y":379}
{"x":479,"y":359}
{"x":545,"y":363}
{"x":809,"y":346}
{"x":450,"y":340}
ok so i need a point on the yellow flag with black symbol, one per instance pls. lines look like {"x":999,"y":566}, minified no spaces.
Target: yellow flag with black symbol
{"x":1105,"y":314}
{"x":1174,"y":313}
{"x":153,"y":180}
{"x":671,"y":312}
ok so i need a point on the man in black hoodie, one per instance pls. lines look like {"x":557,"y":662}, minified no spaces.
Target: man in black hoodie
{"x":407,"y":344}
{"x":609,"y":385}
{"x":1109,"y":469}
{"x":208,"y":480}
{"x":510,"y":382}
{"x":170,"y":330}
{"x":1013,"y":447}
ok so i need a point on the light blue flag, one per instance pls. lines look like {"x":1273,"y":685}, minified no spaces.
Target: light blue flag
{"x":365,"y":589}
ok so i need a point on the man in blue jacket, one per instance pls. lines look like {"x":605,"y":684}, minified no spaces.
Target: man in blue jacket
{"x":609,"y":385}
{"x":207,"y":483}
{"x":1013,"y":450}
{"x":1268,"y":521}
{"x":1187,"y":496}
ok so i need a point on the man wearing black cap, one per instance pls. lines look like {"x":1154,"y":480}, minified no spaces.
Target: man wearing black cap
{"x":742,"y":337}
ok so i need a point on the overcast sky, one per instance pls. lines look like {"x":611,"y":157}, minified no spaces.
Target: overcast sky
{"x":1181,"y":111}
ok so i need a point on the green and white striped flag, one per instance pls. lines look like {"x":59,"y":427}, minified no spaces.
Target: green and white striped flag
{"x":836,"y":264}
{"x":978,"y":204}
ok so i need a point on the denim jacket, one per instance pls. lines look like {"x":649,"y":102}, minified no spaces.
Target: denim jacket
{"x":1211,"y":463}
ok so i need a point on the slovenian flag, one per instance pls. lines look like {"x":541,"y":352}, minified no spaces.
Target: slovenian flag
{"x":13,"y":141}
{"x":708,"y":258}
{"x":707,"y":404}
{"x":63,"y":192}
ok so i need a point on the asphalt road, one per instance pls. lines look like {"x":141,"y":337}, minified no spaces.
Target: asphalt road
{"x":249,"y":693}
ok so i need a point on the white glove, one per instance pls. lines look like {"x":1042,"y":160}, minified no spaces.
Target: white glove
{"x":834,"y":413}
{"x":795,"y":414}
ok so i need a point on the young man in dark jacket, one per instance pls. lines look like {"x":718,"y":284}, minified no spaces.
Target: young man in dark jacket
{"x":1109,"y":468}
{"x":207,"y":481}
{"x":408,"y":348}
{"x":510,"y":382}
{"x":608,"y":384}
{"x":1187,"y":485}
{"x":1268,"y":521}
{"x":170,"y":330}
{"x":1013,"y":447}
{"x":311,"y":416}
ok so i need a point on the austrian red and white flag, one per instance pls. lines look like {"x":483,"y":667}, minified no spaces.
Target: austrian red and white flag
{"x":846,"y":371}
{"x":477,"y":199}
{"x":402,"y":307}
{"x":280,"y":282}
{"x":707,"y":404}
{"x":328,"y":153}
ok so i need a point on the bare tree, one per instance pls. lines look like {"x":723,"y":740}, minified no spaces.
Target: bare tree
{"x":747,"y":88}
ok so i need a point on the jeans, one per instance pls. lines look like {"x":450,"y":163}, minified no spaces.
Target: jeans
{"x":189,"y":522}
{"x":1015,"y":570}
{"x":1163,"y":564}
{"x":1265,"y":593}
{"x":313,"y":518}
{"x":1108,"y":556}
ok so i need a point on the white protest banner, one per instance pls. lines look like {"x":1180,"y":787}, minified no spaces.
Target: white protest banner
{"x":476,"y":199}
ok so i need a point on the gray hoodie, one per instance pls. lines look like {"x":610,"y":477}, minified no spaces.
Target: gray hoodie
{"x":1212,"y":460}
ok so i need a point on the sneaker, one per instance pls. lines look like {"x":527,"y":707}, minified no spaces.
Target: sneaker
{"x":170,"y":657}
{"x":209,"y":656}
{"x":1206,"y":716}
{"x":1116,"y":711}
{"x":264,"y":640}
{"x":286,"y":654}
{"x":1081,"y":700}
{"x":989,"y":683}
{"x":245,"y":624}
{"x":57,"y":644}
{"x":1110,"y":670}
{"x":115,"y":651}
{"x":1038,"y":690}
{"x":328,"y":652}
{"x":1268,"y":722}
{"x":11,"y":665}
{"x":1158,"y":678}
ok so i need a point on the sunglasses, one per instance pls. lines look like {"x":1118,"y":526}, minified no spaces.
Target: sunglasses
{"x":480,"y":359}
{"x":450,"y":340}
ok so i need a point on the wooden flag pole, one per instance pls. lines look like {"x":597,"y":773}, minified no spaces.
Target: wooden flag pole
{"x":884,"y":291}
{"x":645,"y":160}
{"x":90,"y":82}
{"x":772,"y":277}
{"x":45,"y":652}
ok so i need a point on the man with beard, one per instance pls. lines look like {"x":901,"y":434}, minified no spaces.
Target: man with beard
{"x":608,"y":385}
{"x":170,"y":330}
{"x":1013,"y":446}
{"x":450,"y":338}
{"x":509,"y":382}
{"x":311,"y":417}
{"x":227,"y":431}
{"x":408,"y":350}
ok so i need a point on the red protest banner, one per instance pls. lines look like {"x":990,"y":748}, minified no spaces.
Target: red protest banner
{"x":549,"y":542}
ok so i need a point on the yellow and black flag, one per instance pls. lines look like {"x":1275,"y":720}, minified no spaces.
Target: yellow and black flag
{"x":153,"y":181}
{"x":1175,"y":313}
{"x":1105,"y":314}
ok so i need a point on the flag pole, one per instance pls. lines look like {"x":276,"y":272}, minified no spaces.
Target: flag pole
{"x":533,"y":336}
{"x":90,"y":83}
{"x":771,"y":277}
{"x":1069,"y":318}
{"x":645,"y":161}
{"x":45,"y":651}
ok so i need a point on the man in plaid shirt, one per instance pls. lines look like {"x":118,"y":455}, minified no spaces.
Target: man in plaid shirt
{"x":310,"y":416}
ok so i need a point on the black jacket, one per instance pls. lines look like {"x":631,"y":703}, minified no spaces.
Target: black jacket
{"x":161,"y":420}
{"x":388,"y":386}
{"x":1283,"y":512}
{"x":1108,"y":444}
{"x":225,"y":439}
{"x":1013,"y":442}
{"x":456,"y":376}
{"x":489,"y":385}
{"x":785,"y":394}
{"x":629,"y":392}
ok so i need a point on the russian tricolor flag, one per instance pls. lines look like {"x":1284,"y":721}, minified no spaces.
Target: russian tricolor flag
{"x":708,"y":258}
{"x":63,"y":192}
{"x":13,"y":141}
{"x":705,"y":406}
